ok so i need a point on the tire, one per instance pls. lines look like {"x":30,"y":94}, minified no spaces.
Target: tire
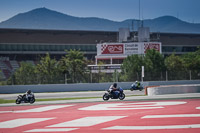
{"x":141,"y":88}
{"x":32,"y":100}
{"x":105,"y":97}
{"x":18,"y":101}
{"x":122,"y":96}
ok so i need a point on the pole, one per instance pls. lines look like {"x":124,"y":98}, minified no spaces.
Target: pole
{"x":65,"y":78}
{"x":91,"y":76}
{"x":139,"y":10}
{"x":142,"y":73}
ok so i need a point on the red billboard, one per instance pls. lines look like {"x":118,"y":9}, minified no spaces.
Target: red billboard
{"x":112,"y":49}
{"x":155,"y":46}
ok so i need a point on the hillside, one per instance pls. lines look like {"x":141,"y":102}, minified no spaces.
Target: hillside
{"x":43,"y":18}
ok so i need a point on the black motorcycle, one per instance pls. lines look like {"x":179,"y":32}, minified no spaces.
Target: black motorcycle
{"x":118,"y":94}
{"x":22,"y":98}
{"x":134,"y":87}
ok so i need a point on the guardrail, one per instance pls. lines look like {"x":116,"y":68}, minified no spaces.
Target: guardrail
{"x":9,"y":89}
{"x":173,"y":89}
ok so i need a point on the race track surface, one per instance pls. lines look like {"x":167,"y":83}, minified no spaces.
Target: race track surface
{"x":156,"y":116}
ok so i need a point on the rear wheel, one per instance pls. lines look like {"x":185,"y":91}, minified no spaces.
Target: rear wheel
{"x":105,"y":97}
{"x":122,"y":96}
{"x":141,"y":88}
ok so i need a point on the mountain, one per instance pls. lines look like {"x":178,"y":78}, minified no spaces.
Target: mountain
{"x":43,"y":18}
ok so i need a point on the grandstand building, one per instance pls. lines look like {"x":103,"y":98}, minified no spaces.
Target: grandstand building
{"x":30,"y":45}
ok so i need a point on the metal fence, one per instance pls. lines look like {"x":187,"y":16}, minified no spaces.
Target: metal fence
{"x":112,"y":77}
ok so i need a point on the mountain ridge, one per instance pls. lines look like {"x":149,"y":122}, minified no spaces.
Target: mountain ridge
{"x":43,"y":18}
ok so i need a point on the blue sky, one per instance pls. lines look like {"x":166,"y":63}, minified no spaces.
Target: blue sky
{"x":117,"y":10}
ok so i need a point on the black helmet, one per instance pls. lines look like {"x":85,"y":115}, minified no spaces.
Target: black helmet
{"x":115,"y":85}
{"x":29,"y":91}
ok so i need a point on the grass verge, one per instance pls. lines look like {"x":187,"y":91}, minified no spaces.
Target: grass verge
{"x":6,"y":101}
{"x":2,"y":101}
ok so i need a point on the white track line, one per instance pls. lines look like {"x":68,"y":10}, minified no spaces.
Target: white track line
{"x":52,"y":130}
{"x":87,"y":121}
{"x":21,"y":122}
{"x":42,"y":109}
{"x":171,"y":116}
{"x":131,"y":106}
{"x":152,"y":127}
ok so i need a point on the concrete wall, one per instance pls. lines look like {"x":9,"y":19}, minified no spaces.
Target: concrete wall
{"x":8,"y":89}
{"x":60,"y":87}
{"x":173,"y":89}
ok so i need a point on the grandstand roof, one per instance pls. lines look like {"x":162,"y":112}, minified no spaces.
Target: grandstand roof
{"x":86,"y":37}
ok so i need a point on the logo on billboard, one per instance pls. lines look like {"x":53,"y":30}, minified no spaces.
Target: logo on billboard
{"x":112,"y":49}
{"x":155,"y":46}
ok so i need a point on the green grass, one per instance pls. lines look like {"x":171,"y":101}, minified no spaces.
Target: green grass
{"x":55,"y":99}
{"x":6,"y":101}
{"x":2,"y":101}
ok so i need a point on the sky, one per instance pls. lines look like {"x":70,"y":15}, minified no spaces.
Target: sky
{"x":116,"y":10}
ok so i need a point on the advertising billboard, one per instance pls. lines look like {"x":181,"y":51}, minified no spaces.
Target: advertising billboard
{"x":156,"y":46}
{"x":112,"y":49}
{"x":107,"y":49}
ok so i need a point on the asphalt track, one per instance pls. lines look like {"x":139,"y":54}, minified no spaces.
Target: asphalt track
{"x":140,"y":114}
{"x":69,"y":94}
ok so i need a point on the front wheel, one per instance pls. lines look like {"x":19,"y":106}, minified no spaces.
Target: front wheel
{"x":105,"y":97}
{"x":32,"y":100}
{"x":18,"y":101}
{"x":122,"y":96}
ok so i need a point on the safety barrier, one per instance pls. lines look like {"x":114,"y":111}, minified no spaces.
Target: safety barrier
{"x":173,"y":89}
{"x":8,"y":89}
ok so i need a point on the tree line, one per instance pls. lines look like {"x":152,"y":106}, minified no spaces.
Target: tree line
{"x":157,"y":67}
{"x":72,"y":68}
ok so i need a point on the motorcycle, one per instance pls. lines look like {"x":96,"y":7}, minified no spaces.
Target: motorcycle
{"x":22,"y":98}
{"x":133,"y":87}
{"x":114,"y":95}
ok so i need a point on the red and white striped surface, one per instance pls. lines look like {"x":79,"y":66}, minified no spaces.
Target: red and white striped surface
{"x":105,"y":117}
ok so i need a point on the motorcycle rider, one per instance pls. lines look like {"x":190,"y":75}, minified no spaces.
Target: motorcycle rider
{"x":113,"y":88}
{"x":28,"y":95}
{"x":136,"y":85}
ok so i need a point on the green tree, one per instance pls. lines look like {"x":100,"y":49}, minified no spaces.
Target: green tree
{"x":48,"y":70}
{"x":154,"y":65}
{"x":131,"y":68}
{"x":152,"y":61}
{"x":174,"y":63}
{"x":189,"y":61}
{"x":175,"y":67}
{"x":24,"y":75}
{"x":192,"y":62}
{"x":74,"y":64}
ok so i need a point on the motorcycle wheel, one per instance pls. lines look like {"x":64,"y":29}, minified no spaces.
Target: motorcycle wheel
{"x":32,"y":100}
{"x":122,"y":96}
{"x":18,"y":101}
{"x":105,"y":97}
{"x":141,"y":89}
